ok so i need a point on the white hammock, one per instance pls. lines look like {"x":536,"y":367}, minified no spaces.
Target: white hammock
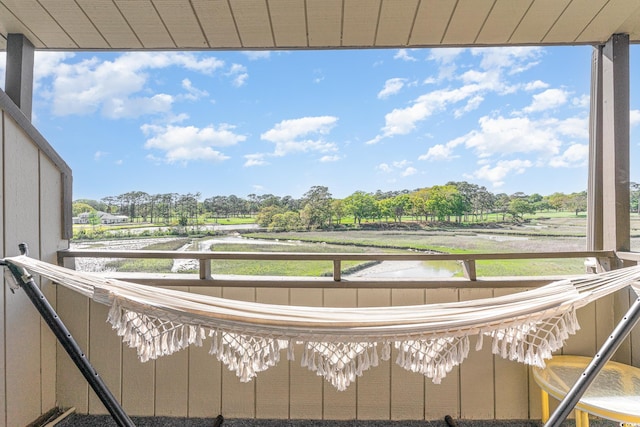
{"x":340,"y":343}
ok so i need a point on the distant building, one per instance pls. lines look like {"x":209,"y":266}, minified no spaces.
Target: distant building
{"x":105,"y":218}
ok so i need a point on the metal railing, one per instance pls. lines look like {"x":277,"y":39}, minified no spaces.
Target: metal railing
{"x":206,"y":278}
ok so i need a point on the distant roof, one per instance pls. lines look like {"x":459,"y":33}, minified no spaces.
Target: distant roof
{"x":313,"y":24}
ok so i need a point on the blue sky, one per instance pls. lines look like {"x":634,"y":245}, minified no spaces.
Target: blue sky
{"x":221,"y":123}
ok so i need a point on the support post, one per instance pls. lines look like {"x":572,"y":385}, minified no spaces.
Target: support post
{"x":49,"y":315}
{"x":594,"y":184}
{"x":615,"y":144}
{"x":19,"y":72}
{"x":469,"y":269}
{"x":205,"y":269}
{"x":337,"y":270}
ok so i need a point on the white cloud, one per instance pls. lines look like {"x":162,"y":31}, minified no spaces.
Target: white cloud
{"x":402,"y":121}
{"x":404,"y":55}
{"x":375,"y":140}
{"x":255,"y":55}
{"x":535,"y":85}
{"x":574,"y":127}
{"x":193,"y":93}
{"x":318,"y":76}
{"x":409,"y":171}
{"x":515,"y":59}
{"x":135,"y":107}
{"x":445,"y":55}
{"x":498,"y":173}
{"x":439,"y":152}
{"x":543,"y":140}
{"x":291,"y":136}
{"x":401,"y":164}
{"x":257,"y":159}
{"x":327,"y":159}
{"x":384,"y":167}
{"x":495,"y":63}
{"x":575,"y":156}
{"x":181,"y":144}
{"x":472,"y":104}
{"x":445,"y":58}
{"x":239,"y":74}
{"x":46,"y":64}
{"x":634,"y":117}
{"x":118,"y":87}
{"x":99,"y":155}
{"x":500,"y":136}
{"x":400,"y":167}
{"x":391,"y":87}
{"x":549,"y":99}
{"x":582,"y":101}
{"x":142,"y":60}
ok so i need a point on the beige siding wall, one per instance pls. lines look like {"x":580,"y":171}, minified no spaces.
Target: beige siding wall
{"x":31,"y":212}
{"x":193,"y":383}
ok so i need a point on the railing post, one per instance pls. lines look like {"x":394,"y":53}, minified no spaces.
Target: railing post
{"x":205,"y":269}
{"x":337,"y":270}
{"x":469,"y":268}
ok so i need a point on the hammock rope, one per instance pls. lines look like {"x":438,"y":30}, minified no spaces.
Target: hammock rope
{"x":340,"y":344}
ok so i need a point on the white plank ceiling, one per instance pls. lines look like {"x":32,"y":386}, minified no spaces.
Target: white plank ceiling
{"x":313,"y":24}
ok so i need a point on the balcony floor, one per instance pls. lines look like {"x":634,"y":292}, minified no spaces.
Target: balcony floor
{"x":106,"y":421}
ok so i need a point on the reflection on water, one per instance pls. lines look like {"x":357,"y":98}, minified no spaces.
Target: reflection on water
{"x":411,"y":269}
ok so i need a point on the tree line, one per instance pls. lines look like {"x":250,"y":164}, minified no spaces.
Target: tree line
{"x":317,"y":208}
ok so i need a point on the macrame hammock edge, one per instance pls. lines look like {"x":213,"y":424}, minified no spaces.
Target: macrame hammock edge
{"x":340,"y":344}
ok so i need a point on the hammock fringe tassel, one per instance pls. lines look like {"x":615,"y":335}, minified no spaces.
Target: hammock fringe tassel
{"x":340,"y":363}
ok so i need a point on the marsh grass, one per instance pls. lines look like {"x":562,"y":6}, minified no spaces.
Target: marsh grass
{"x":285,"y":268}
{"x":530,"y":267}
{"x":149,"y":265}
{"x":471,"y":241}
{"x":240,"y":267}
{"x":551,"y":233}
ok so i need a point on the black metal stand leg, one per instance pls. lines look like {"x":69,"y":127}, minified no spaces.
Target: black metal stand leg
{"x":620,"y":332}
{"x":72,"y":348}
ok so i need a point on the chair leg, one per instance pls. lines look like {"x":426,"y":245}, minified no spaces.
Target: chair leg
{"x":545,"y":405}
{"x":582,"y":418}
